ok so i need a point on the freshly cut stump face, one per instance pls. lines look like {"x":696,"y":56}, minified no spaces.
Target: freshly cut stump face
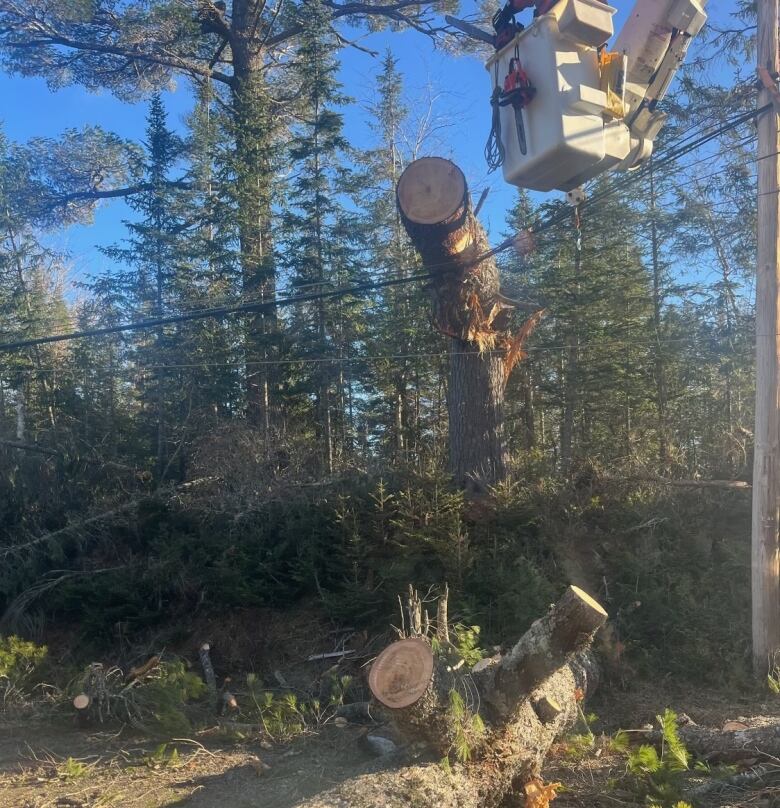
{"x":401,"y":674}
{"x":82,"y":701}
{"x":431,"y":190}
{"x":589,"y":602}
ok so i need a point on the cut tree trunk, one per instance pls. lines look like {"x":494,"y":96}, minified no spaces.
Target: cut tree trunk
{"x":468,"y":306}
{"x":493,"y":723}
{"x":723,"y":746}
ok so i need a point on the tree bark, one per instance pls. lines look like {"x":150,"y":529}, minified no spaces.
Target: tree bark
{"x":435,"y":208}
{"x":475,"y":405}
{"x":722,"y":746}
{"x":658,"y":300}
{"x":525,"y":700}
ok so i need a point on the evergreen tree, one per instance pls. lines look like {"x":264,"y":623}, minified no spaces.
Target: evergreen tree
{"x":32,"y":300}
{"x":592,"y":346}
{"x":155,"y":285}
{"x":320,"y":245}
{"x":406,"y":408}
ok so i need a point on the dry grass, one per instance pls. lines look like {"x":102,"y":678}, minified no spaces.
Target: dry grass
{"x":45,"y":766}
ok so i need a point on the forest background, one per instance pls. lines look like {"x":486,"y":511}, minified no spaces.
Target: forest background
{"x":300,"y":453}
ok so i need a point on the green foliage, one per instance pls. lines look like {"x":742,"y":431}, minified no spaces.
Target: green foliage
{"x":162,"y":757}
{"x":467,"y":643}
{"x":581,"y":744}
{"x":657,"y":777}
{"x":620,"y":742}
{"x":674,"y":751}
{"x":677,"y":602}
{"x":19,"y":662}
{"x":19,"y":658}
{"x":72,"y":769}
{"x":773,"y":679}
{"x":340,"y":686}
{"x":161,"y":701}
{"x":466,"y":728}
{"x":644,"y":760}
{"x":677,"y":567}
{"x":283,"y":717}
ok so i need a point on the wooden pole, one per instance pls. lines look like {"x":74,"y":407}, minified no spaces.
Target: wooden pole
{"x":766,"y":466}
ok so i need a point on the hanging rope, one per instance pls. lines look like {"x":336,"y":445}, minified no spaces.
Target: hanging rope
{"x":494,"y":149}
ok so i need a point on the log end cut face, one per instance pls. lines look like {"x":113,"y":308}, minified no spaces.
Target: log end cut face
{"x":402,"y":673}
{"x":431,"y":190}
{"x":596,"y":613}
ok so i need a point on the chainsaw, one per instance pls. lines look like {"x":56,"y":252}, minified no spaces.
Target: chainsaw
{"x":517,"y":93}
{"x":504,"y":23}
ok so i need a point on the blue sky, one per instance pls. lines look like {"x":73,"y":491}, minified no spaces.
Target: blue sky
{"x":28,"y":109}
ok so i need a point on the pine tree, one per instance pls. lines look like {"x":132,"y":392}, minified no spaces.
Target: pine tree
{"x":320,"y":241}
{"x":591,"y":348}
{"x":214,"y":270}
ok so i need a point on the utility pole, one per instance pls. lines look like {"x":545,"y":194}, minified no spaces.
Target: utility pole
{"x":766,"y":466}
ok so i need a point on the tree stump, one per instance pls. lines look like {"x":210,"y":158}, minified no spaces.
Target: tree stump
{"x":435,"y":207}
{"x":493,"y":724}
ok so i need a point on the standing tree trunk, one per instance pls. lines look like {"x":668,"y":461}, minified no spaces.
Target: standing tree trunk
{"x":435,"y":208}
{"x":571,"y":388}
{"x":660,"y":365}
{"x":475,"y":406}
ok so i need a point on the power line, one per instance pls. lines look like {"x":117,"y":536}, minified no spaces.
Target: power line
{"x":632,"y":178}
{"x":258,"y":307}
{"x":536,"y":350}
{"x":693,"y":341}
{"x":219,"y":311}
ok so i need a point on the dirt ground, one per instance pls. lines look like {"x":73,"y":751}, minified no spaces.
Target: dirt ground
{"x":120,"y":769}
{"x":49,"y":766}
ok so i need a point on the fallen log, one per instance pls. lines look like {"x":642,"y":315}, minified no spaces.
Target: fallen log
{"x":484,"y":730}
{"x":725,"y":746}
{"x":29,"y":447}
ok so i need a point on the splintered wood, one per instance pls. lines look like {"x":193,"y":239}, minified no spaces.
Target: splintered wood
{"x":468,"y":306}
{"x":435,"y":206}
{"x":539,"y":794}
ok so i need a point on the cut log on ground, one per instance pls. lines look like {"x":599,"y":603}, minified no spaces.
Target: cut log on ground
{"x":482,"y":730}
{"x":81,"y":705}
{"x":724,"y":746}
{"x":468,"y":306}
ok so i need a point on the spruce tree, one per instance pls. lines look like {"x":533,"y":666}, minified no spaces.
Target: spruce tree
{"x":320,"y":238}
{"x":406,"y":411}
{"x":154,"y":285}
